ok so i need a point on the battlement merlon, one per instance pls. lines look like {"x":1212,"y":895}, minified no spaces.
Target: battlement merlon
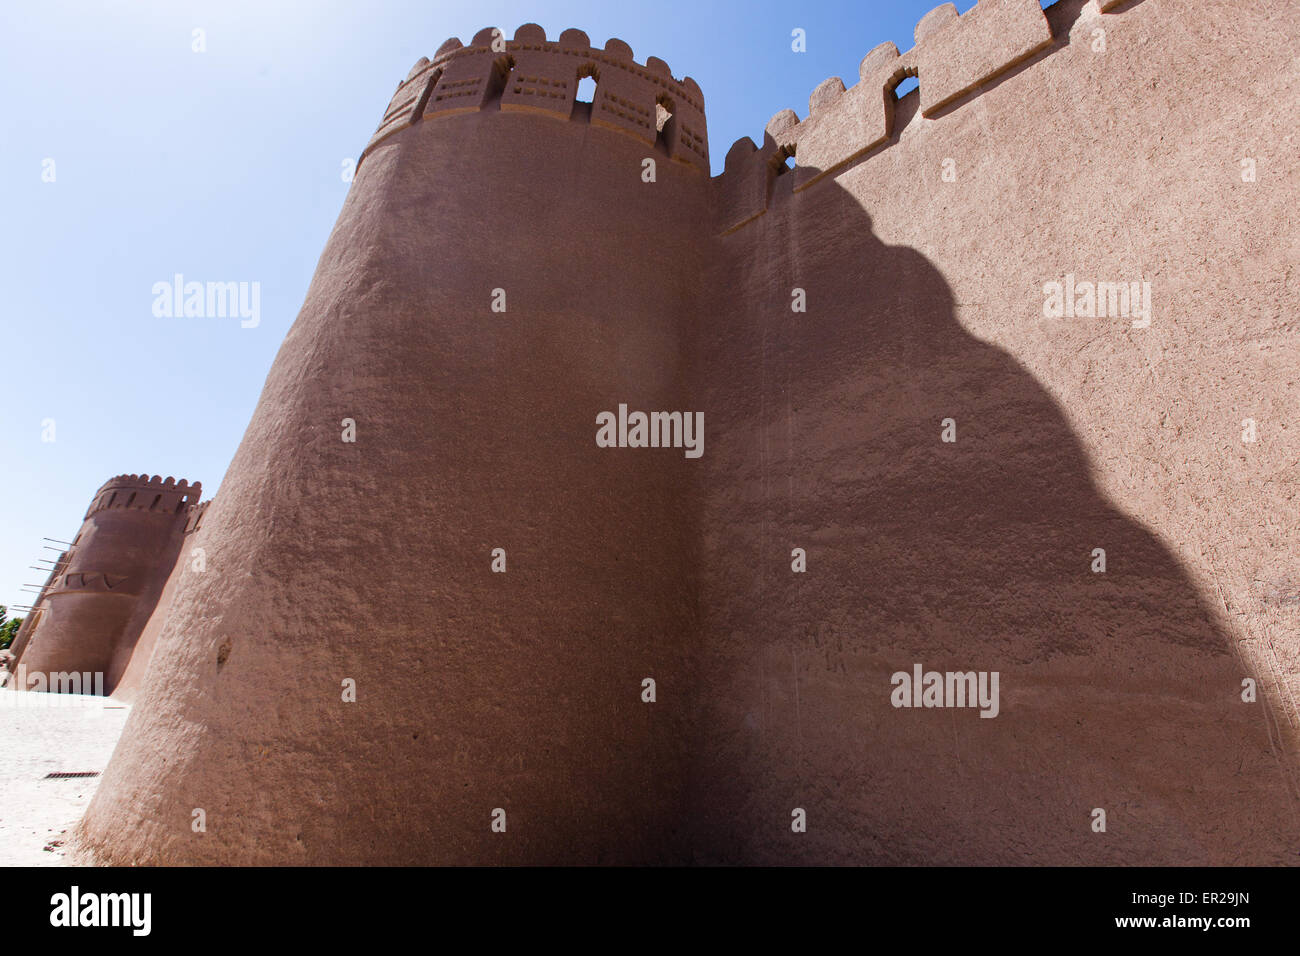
{"x":145,"y":493}
{"x":534,"y":75}
{"x":953,"y":55}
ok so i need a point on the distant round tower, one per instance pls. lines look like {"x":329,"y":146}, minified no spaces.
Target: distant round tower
{"x":104,"y":587}
{"x":432,"y":601}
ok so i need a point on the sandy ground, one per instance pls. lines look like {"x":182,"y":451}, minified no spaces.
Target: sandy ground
{"x":42,"y":734}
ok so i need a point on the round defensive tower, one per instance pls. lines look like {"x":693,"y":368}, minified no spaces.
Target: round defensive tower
{"x":431,"y":600}
{"x":106,"y":585}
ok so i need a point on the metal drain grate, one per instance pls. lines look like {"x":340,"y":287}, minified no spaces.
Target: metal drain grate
{"x":65,"y":774}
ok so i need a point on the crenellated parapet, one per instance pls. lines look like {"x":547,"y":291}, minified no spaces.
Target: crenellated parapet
{"x":143,"y":493}
{"x":952,"y":57}
{"x":531,"y":74}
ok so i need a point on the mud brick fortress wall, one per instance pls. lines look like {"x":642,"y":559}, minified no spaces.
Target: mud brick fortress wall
{"x":921,"y":230}
{"x":102,"y":591}
{"x":925,"y":302}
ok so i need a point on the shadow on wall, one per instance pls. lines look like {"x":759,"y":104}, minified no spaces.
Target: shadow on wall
{"x":1119,"y":691}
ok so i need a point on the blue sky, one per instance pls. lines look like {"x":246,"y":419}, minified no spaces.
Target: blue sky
{"x":225,"y":166}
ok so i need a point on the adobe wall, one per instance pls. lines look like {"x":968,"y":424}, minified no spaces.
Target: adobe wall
{"x":188,"y":561}
{"x":371,"y":561}
{"x":925,"y":301}
{"x":31,"y":619}
{"x":104,"y":588}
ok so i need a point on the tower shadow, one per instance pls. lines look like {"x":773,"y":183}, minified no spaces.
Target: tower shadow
{"x":1120,"y":692}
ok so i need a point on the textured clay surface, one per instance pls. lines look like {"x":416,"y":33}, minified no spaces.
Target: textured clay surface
{"x":922,"y":242}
